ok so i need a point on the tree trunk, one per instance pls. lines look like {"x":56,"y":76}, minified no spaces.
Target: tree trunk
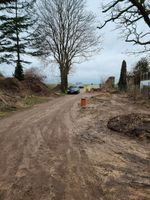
{"x":17,"y":37}
{"x":64,"y":81}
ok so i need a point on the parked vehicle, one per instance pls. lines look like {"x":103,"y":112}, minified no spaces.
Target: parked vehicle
{"x":81,"y":86}
{"x":73,"y":90}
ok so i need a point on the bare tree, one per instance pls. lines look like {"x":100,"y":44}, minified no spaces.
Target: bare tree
{"x":134,"y":17}
{"x":66,"y":33}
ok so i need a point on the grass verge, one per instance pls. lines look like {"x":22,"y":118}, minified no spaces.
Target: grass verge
{"x":32,"y":100}
{"x":21,"y":104}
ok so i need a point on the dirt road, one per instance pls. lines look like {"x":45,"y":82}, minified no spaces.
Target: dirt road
{"x":58,"y":151}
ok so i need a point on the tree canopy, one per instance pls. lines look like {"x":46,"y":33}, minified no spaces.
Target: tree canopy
{"x":140,"y":68}
{"x":65,"y":33}
{"x":133,"y":16}
{"x":6,"y":1}
{"x":15,"y":22}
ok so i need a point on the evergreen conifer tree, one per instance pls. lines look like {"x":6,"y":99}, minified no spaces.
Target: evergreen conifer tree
{"x":5,"y":1}
{"x":15,"y":22}
{"x":19,"y":72}
{"x":122,"y":84}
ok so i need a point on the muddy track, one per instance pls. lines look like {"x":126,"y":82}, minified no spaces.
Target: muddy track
{"x":45,"y":156}
{"x":38,"y":159}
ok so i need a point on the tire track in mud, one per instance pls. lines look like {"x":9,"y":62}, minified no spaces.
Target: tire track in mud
{"x":46,"y":157}
{"x":39,"y":160}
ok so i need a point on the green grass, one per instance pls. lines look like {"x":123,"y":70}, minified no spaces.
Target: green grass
{"x":32,"y":100}
{"x":27,"y":102}
{"x":3,"y":114}
{"x":86,"y":85}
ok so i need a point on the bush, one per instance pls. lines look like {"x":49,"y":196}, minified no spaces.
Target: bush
{"x":141,"y":67}
{"x":34,"y":74}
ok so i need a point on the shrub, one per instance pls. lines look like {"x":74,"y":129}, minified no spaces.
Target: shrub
{"x":141,"y":67}
{"x":34,"y":74}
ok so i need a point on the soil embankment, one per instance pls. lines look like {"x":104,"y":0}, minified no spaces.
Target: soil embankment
{"x":16,"y":95}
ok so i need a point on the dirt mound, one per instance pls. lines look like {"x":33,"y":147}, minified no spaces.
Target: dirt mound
{"x":8,"y":102}
{"x":10,"y":85}
{"x":34,"y":86}
{"x":57,"y":88}
{"x":134,"y":125}
{"x":28,"y":86}
{"x":16,"y":94}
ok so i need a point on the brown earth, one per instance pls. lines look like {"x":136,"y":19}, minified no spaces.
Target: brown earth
{"x":16,"y":95}
{"x":25,"y":87}
{"x":134,"y":125}
{"x":59,"y":151}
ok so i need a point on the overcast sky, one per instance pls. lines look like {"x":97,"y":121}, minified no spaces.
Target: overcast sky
{"x":107,"y":63}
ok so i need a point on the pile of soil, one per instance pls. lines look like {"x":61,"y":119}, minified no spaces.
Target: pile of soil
{"x":16,"y":94}
{"x":57,"y":88}
{"x":28,"y":86}
{"x":10,"y":85}
{"x":134,"y":125}
{"x":8,"y":102}
{"x":35,"y":86}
